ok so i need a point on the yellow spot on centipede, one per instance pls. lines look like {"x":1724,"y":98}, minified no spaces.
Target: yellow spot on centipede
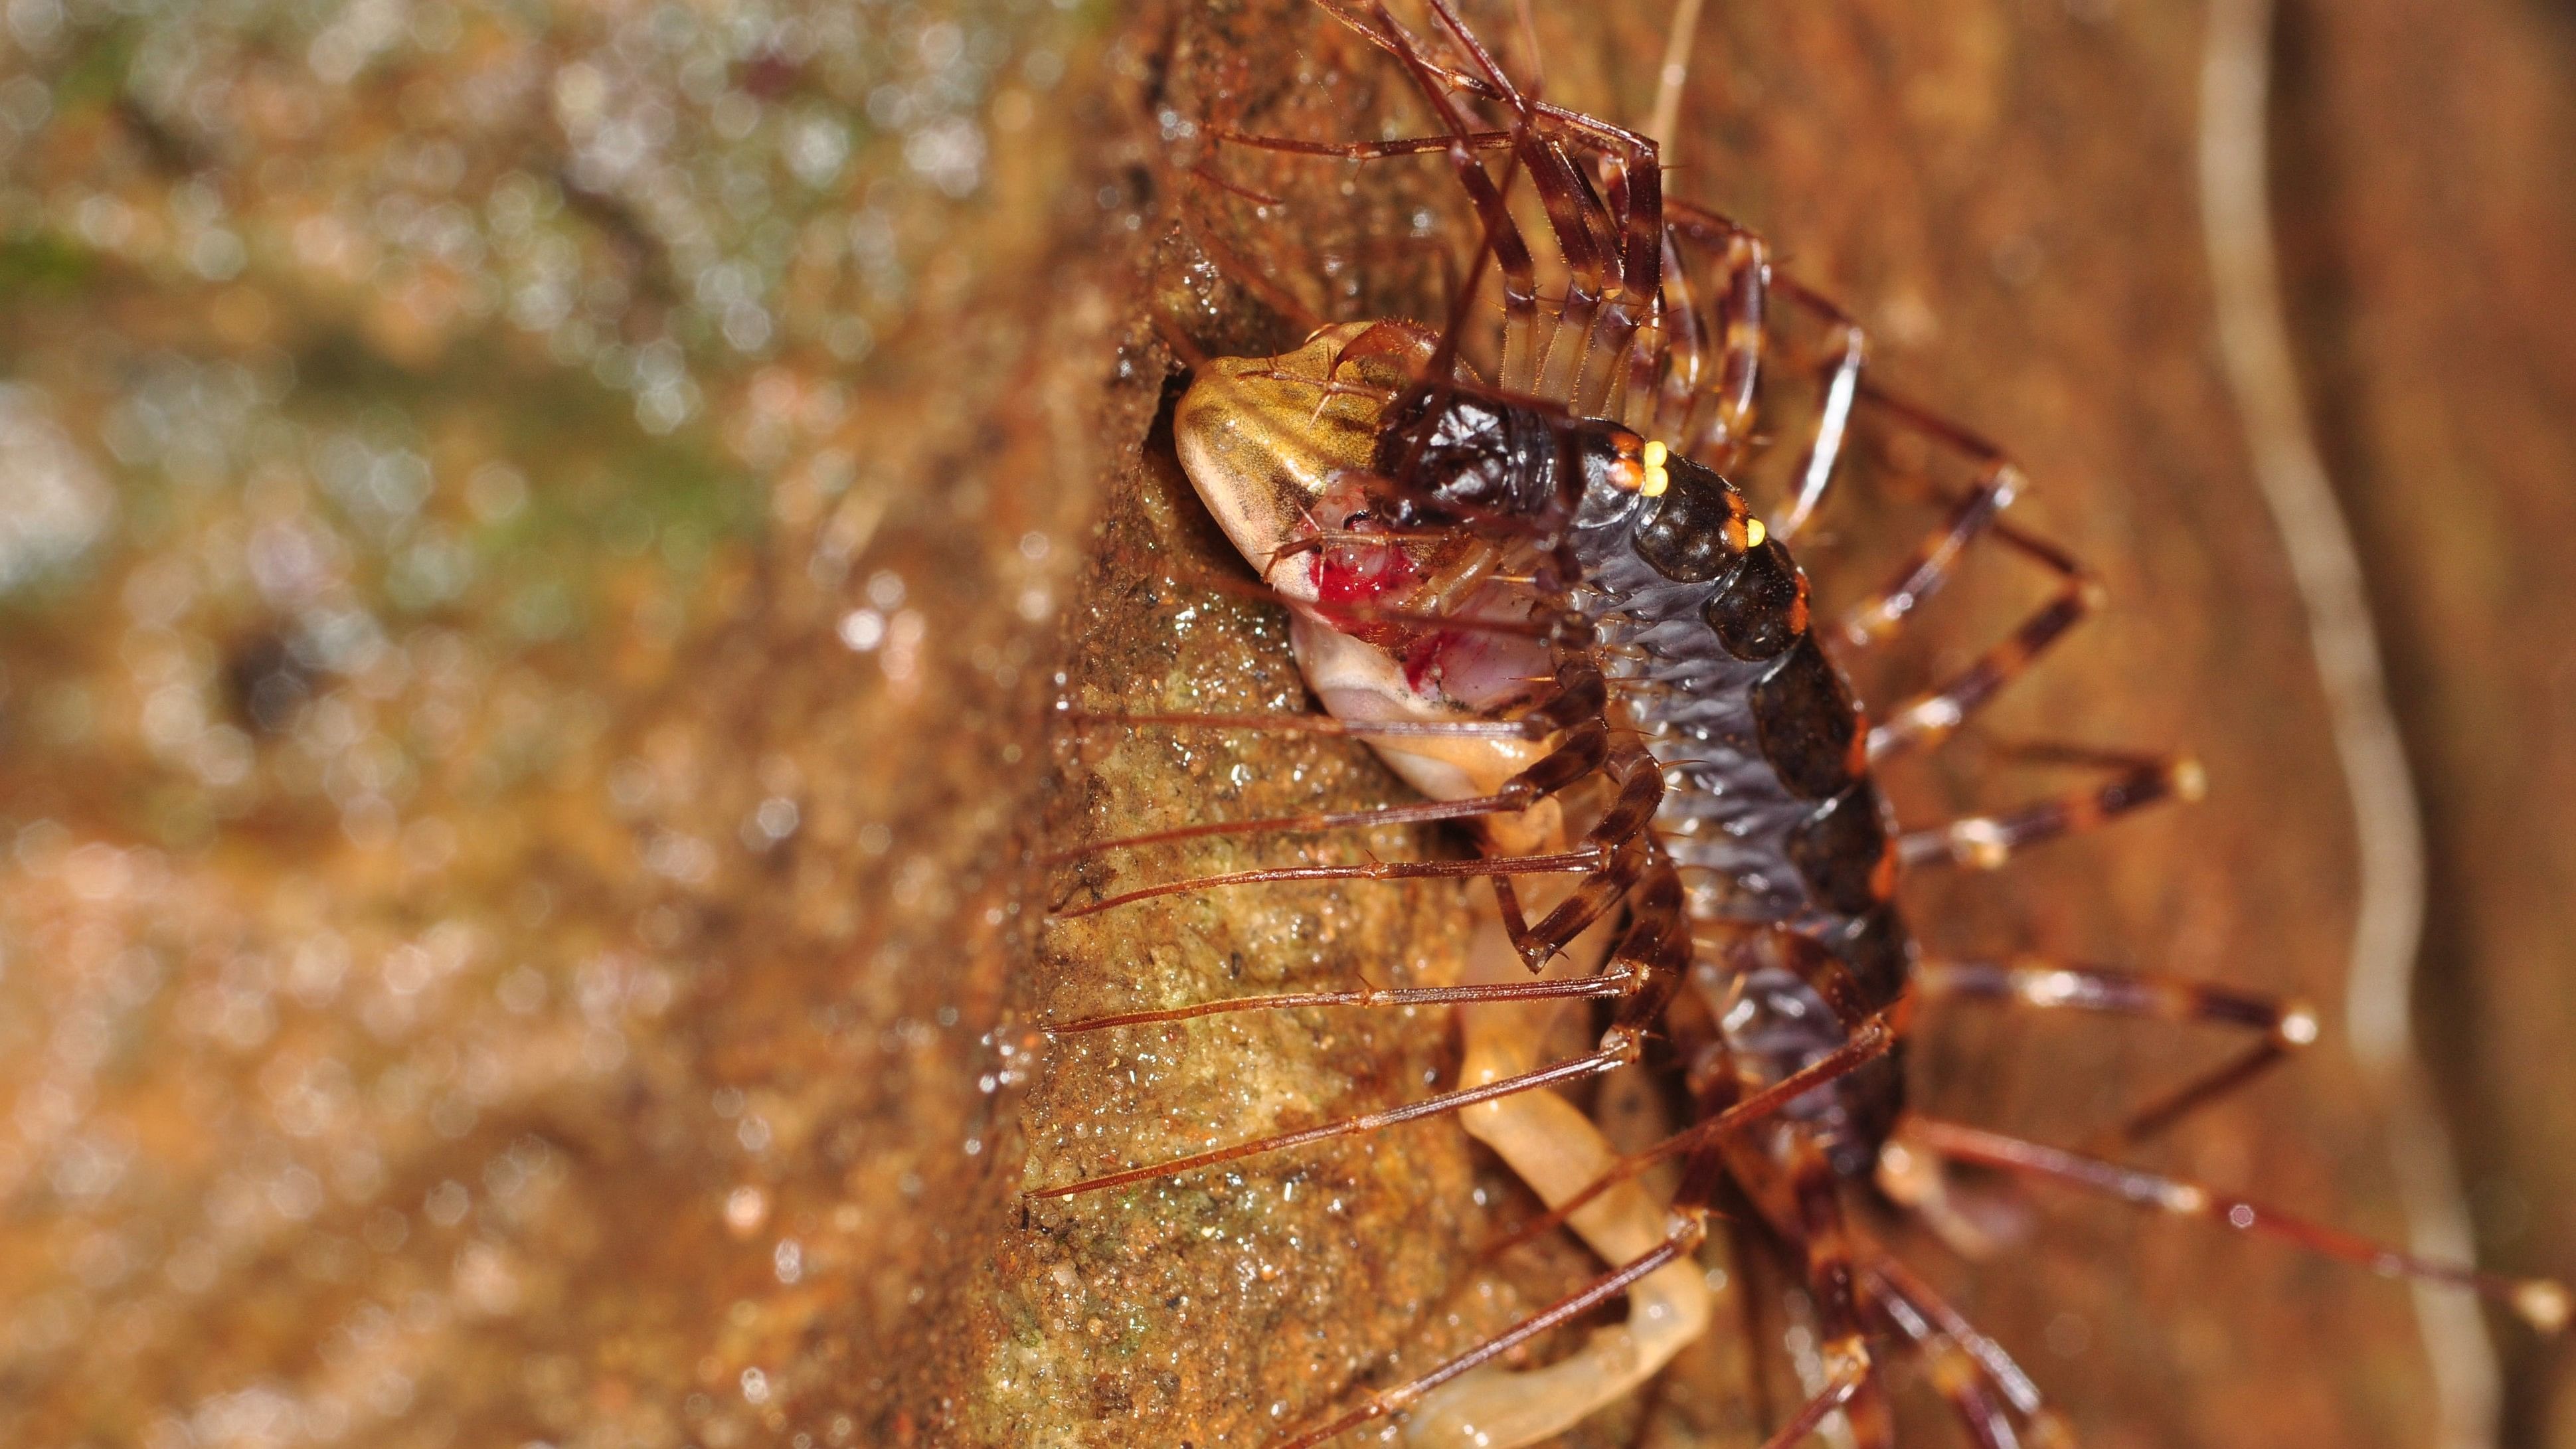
{"x":1754,"y":533}
{"x":1656,"y":479}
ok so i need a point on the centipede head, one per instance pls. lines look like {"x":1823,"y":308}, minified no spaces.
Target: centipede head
{"x":1468,"y":456}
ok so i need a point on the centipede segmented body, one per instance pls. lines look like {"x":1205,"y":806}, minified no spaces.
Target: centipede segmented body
{"x":1545,"y":604}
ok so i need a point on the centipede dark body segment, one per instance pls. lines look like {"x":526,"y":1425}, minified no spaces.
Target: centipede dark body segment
{"x":1523,"y":572}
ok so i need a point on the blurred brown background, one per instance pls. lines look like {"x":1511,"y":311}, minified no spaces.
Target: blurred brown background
{"x":536,"y":547}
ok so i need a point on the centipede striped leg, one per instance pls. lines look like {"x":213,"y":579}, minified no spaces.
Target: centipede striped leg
{"x":1638,"y":783}
{"x":1972,"y":1371}
{"x":1953,"y":1373}
{"x":1933,"y":715}
{"x":2540,"y":1302}
{"x":1833,"y":1280}
{"x":1682,"y":1239}
{"x":1977,"y":512}
{"x":1714,"y":423}
{"x":2052,"y":984}
{"x":1984,"y":842}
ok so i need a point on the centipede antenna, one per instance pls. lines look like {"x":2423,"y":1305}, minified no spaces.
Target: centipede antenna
{"x":2540,"y":1302}
{"x":1571,"y":862}
{"x":1669,"y":76}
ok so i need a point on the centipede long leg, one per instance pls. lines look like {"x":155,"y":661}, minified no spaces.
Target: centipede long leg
{"x":1833,"y":1281}
{"x":1419,"y":812}
{"x":1560,"y":192}
{"x":1613,"y":272}
{"x":1972,"y":1371}
{"x":1633,"y":317}
{"x":1933,"y":715}
{"x":1610,"y":983}
{"x":1878,"y":617}
{"x":1637,"y":149}
{"x":2542,"y":1303}
{"x":1559,"y":1160}
{"x":1723,"y":1110}
{"x":2049,"y":984}
{"x":1573,"y":1069}
{"x":1501,"y":234}
{"x":1984,"y":842}
{"x":1841,"y":385}
{"x":1839,"y":388}
{"x":1557,"y":1150}
{"x":1715,"y":424}
{"x":1618,"y":272}
{"x":1680,"y":1242}
{"x":1687,"y":1226}
{"x":1637,"y":781}
{"x":1574,"y":757}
